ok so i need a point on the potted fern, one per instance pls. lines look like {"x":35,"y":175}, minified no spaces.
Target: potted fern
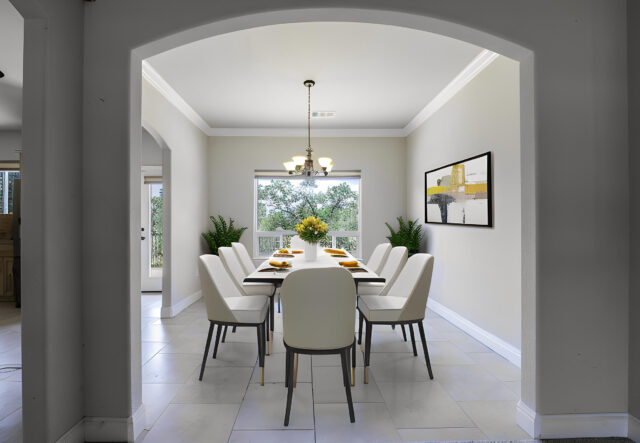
{"x":224,"y":234}
{"x":409,"y":234}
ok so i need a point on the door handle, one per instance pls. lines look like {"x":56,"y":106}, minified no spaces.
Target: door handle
{"x":142,"y":238}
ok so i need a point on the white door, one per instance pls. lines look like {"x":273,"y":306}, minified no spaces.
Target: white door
{"x":151,"y":230}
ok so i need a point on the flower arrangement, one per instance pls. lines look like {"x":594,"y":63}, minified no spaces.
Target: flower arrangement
{"x":312,"y":229}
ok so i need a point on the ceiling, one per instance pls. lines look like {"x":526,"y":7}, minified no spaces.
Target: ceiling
{"x":372,"y":76}
{"x":11,"y":44}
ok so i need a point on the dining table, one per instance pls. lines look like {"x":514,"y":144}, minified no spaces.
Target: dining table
{"x":266,"y":273}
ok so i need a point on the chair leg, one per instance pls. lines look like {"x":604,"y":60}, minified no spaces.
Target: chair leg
{"x":413,"y":340}
{"x":367,"y":352}
{"x":287,"y":368}
{"x":224,"y":334}
{"x":289,"y":391}
{"x":360,"y":320}
{"x":271,"y":318}
{"x":344,"y":355}
{"x":267,"y":348}
{"x":353,"y":362}
{"x":206,"y":349}
{"x":215,"y":348}
{"x":234,"y":330}
{"x":424,"y":348}
{"x":404,"y":333}
{"x":393,"y":327}
{"x":260,"y":334}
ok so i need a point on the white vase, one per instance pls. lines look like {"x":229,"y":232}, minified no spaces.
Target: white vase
{"x":310,"y":251}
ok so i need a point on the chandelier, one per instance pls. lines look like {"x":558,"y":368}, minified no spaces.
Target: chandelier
{"x":301,"y":164}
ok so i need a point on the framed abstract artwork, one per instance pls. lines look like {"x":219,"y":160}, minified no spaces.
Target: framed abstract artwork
{"x":460,"y":193}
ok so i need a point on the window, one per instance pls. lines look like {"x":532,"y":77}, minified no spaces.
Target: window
{"x":281,"y":202}
{"x":6,"y":190}
{"x":155,"y":212}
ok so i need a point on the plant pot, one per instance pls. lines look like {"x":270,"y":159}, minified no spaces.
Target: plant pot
{"x":310,"y":251}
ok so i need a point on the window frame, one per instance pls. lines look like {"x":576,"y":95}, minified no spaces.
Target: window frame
{"x":333,"y":234}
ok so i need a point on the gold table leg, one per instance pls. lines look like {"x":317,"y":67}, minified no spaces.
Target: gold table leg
{"x":270,"y":342}
{"x":366,"y":375}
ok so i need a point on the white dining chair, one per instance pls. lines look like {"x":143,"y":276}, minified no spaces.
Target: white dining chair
{"x":405,"y":303}
{"x":247,"y":264}
{"x":236,"y":271}
{"x":379,"y":257}
{"x":318,"y":317}
{"x":392,"y":267}
{"x":226,"y":306}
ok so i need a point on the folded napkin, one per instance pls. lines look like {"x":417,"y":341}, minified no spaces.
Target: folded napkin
{"x":349,"y":264}
{"x":296,"y":252}
{"x":335,"y":251}
{"x":284,"y":251}
{"x":280,"y":264}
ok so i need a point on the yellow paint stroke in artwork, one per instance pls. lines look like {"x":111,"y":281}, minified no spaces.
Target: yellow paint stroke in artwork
{"x":475,"y":188}
{"x":437,"y":190}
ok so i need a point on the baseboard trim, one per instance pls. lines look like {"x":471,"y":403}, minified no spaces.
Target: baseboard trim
{"x":576,"y":425}
{"x":138,"y":421}
{"x":498,"y":345}
{"x":73,"y":435}
{"x":633,"y":428}
{"x":173,"y":310}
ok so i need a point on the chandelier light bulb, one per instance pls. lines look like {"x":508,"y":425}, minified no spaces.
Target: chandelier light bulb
{"x":325,"y":162}
{"x":298,"y":160}
{"x":289,"y":166}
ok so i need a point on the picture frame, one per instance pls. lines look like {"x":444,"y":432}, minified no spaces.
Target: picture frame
{"x":460,"y":193}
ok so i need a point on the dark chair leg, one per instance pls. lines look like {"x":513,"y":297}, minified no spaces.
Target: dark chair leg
{"x":289,"y":391}
{"x":215,"y":348}
{"x":234,"y":330}
{"x":413,"y":340}
{"x":224,"y":334}
{"x":271,"y":318}
{"x":424,"y":348}
{"x":344,"y":355}
{"x":393,"y":327}
{"x":267,"y":350}
{"x":287,"y":367}
{"x":206,"y":349}
{"x":404,"y":333}
{"x":360,"y":320}
{"x":260,"y":332}
{"x":353,"y":362}
{"x":367,"y":352}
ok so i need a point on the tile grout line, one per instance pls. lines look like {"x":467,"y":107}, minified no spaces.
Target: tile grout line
{"x":243,"y":397}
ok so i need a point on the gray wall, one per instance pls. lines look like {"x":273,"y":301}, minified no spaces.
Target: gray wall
{"x":52,"y":315}
{"x":483,"y":116}
{"x":634,"y":191}
{"x":9,"y":142}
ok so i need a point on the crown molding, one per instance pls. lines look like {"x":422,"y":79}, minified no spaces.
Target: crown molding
{"x":477,"y":65}
{"x":160,"y":84}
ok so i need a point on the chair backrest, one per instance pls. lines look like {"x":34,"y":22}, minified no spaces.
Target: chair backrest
{"x":379,"y":257}
{"x":392,"y":267}
{"x":244,"y":257}
{"x":414,"y":283}
{"x":318,"y":309}
{"x":297,"y":242}
{"x":216,"y":285}
{"x":232,"y":264}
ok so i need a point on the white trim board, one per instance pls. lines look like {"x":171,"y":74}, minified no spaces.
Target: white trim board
{"x":73,"y":435}
{"x":181,"y":305}
{"x":106,"y":428}
{"x":488,"y":339}
{"x":575,"y":425}
{"x":475,"y":67}
{"x":633,"y":428}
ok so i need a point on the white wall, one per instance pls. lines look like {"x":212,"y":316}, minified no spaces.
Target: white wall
{"x":233,"y":161}
{"x":186,"y":190}
{"x":150,"y":151}
{"x":477,"y":270}
{"x":9,"y":142}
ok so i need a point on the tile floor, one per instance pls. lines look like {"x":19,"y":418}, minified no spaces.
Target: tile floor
{"x":472,"y":397}
{"x":10,"y":380}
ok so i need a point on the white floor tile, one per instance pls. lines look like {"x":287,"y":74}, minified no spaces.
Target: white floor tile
{"x":170,"y":368}
{"x":264,"y":407}
{"x":495,"y":418}
{"x":11,"y":428}
{"x":218,"y":385}
{"x":149,"y":349}
{"x":422,"y":405}
{"x":329,"y":388}
{"x":441,"y":434}
{"x":515,"y":386}
{"x":497,"y":365}
{"x":396,"y":367}
{"x":288,"y":436}
{"x":156,"y":397}
{"x":194,"y":423}
{"x":445,"y":353}
{"x":465,"y":342}
{"x":373,"y":423}
{"x":274,"y":369}
{"x":11,"y":395}
{"x":471,"y":382}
